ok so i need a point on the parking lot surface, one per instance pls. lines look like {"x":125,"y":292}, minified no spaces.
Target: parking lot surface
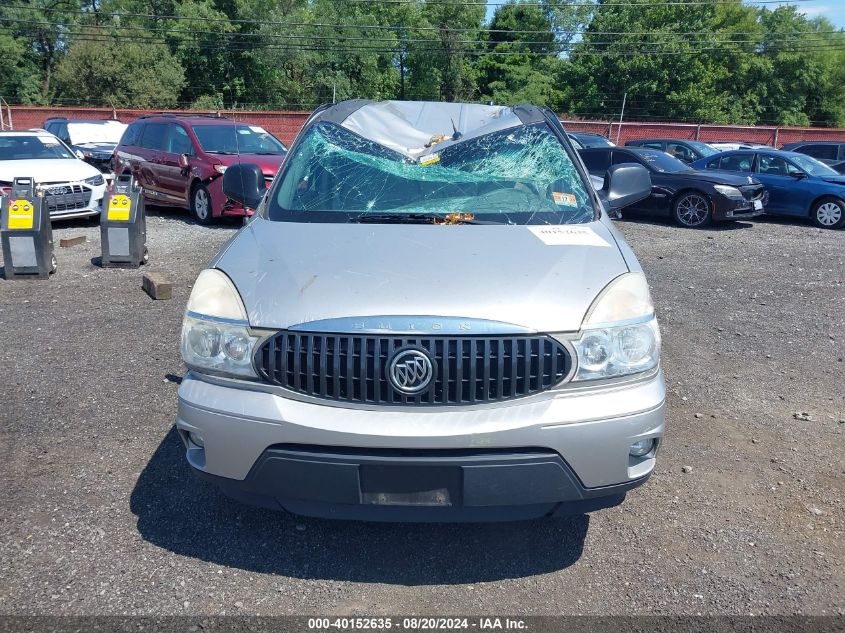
{"x":99,"y":513}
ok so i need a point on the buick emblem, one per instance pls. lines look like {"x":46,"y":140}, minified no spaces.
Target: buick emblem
{"x":410,"y":371}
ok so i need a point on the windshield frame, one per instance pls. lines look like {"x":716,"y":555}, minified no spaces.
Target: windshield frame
{"x":552,"y":123}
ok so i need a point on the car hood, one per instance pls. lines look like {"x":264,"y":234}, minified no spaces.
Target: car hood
{"x":290,"y":273}
{"x":96,"y":147}
{"x":47,"y":170}
{"x":719,"y":178}
{"x":269,"y":163}
{"x":836,"y":180}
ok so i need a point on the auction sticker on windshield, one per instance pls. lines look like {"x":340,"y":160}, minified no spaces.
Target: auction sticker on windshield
{"x":568,"y":236}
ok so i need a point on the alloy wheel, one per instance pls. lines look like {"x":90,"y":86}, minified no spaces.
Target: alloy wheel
{"x":202,"y":204}
{"x":693,"y":210}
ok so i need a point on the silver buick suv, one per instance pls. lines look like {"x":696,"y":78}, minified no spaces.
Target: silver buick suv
{"x":429,"y":318}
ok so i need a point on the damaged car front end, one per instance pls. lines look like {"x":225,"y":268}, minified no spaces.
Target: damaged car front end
{"x":429,"y":317}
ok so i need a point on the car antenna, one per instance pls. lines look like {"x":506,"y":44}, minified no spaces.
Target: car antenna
{"x":455,"y":134}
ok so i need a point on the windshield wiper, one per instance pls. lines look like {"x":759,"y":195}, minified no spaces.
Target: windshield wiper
{"x":414,"y":218}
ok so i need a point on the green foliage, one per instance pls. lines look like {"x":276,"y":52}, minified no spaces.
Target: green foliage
{"x":724,"y":62}
{"x":120,"y":74}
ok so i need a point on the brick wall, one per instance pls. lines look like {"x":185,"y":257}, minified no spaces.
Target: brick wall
{"x":285,"y":125}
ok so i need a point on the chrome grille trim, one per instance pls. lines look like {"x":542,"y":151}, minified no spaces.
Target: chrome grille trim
{"x":491,"y":368}
{"x":72,"y":198}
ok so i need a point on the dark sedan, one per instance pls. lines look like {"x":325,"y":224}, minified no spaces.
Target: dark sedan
{"x":692,"y":198}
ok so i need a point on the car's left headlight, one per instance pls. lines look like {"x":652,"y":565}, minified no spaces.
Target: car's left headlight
{"x":95,"y":181}
{"x":729,"y":192}
{"x":619,"y":335}
{"x":215,"y":330}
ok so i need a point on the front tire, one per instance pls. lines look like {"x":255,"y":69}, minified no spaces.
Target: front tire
{"x":201,"y":204}
{"x":692,"y":210}
{"x":828,"y":213}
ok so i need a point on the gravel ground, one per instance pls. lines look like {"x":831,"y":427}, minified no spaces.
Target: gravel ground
{"x":99,"y":513}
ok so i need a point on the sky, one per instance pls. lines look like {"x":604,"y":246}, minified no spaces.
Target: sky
{"x":833,"y":10}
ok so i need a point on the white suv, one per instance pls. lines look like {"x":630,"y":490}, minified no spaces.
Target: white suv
{"x":72,"y":188}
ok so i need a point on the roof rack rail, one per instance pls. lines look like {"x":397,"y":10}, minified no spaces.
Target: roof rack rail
{"x":181,"y":114}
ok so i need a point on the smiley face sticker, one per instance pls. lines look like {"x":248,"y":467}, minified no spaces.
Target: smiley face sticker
{"x":21,"y":214}
{"x":119,"y":206}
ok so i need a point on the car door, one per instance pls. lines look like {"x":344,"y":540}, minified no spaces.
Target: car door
{"x":789,"y":193}
{"x":148,"y":169}
{"x":171,"y":177}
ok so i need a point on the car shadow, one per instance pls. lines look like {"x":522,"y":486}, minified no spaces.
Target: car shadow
{"x":715,"y":227}
{"x":184,"y":515}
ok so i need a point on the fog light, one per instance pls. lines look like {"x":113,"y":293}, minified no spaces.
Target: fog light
{"x":641,"y":447}
{"x":196,"y":439}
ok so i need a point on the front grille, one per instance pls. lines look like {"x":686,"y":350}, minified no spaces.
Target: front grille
{"x":467,"y":369}
{"x":62,"y":198}
{"x":752,"y":192}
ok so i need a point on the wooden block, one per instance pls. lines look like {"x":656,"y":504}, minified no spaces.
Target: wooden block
{"x":157,"y":286}
{"x":72,"y":241}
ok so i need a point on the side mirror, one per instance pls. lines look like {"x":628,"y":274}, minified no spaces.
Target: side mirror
{"x":625,"y":185}
{"x":798,"y":174}
{"x":244,"y":183}
{"x":78,"y":153}
{"x":183,"y":161}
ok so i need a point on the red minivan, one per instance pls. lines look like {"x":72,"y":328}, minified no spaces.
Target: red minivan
{"x":180,"y":160}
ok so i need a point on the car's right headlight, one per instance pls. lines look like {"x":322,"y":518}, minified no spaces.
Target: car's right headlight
{"x":619,"y":335}
{"x":215,"y":330}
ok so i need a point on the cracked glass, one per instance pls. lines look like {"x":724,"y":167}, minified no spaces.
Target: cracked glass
{"x":521,"y":175}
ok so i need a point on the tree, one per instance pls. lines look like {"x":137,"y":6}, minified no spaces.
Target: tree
{"x":120,"y":74}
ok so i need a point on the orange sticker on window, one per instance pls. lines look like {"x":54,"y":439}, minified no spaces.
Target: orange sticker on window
{"x":564,"y":199}
{"x":21,"y":214}
{"x":119,"y":206}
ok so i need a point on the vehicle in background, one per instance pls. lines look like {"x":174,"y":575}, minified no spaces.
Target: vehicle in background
{"x":684,"y":151}
{"x":829,"y":152}
{"x":575,"y":142}
{"x":95,"y":139}
{"x":591,"y":139}
{"x":692,"y":198}
{"x":727,"y":146}
{"x":71,"y":187}
{"x":796,"y":184}
{"x":537,"y":393}
{"x":180,"y":160}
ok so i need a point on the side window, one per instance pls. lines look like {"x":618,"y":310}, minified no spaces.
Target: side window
{"x":52,"y":127}
{"x":624,"y":157}
{"x":822,"y":152}
{"x":652,"y":145}
{"x":681,"y":152}
{"x":737,"y":162}
{"x":178,"y":140}
{"x":132,"y":135}
{"x":62,"y":133}
{"x":155,"y":136}
{"x":596,"y":162}
{"x":775,"y":166}
{"x":713,"y":164}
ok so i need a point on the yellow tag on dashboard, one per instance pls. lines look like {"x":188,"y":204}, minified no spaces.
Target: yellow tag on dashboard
{"x":21,"y":214}
{"x":119,"y":206}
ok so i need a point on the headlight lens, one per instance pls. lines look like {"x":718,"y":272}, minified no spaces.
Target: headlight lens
{"x":728,"y":191}
{"x":95,"y":180}
{"x":619,"y":334}
{"x":617,"y":351}
{"x":215,"y":331}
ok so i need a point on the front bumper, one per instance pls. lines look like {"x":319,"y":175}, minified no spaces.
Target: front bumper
{"x":561,"y":451}
{"x":730,"y":209}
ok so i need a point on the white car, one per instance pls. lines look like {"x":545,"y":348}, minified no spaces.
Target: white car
{"x":72,"y":188}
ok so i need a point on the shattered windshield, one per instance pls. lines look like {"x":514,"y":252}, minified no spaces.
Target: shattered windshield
{"x":520,"y":175}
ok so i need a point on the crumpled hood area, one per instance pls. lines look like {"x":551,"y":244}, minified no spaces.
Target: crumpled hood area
{"x":543,"y":278}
